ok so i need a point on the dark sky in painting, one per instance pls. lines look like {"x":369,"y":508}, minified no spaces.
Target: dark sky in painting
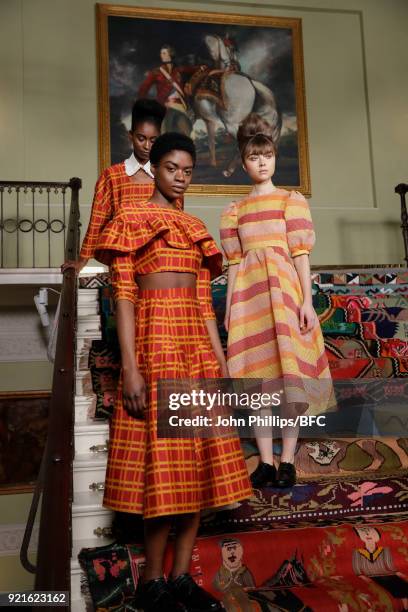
{"x":265,"y":54}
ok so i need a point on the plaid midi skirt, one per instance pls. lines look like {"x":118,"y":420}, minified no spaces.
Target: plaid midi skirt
{"x":162,"y":476}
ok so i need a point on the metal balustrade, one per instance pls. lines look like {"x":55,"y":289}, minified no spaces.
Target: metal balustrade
{"x":34,"y":218}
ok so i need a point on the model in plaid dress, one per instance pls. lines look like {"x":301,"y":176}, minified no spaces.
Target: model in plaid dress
{"x":122,"y":186}
{"x":273,"y":331}
{"x":167,"y":330}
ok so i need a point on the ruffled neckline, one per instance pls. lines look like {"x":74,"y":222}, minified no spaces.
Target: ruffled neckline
{"x":131,"y":230}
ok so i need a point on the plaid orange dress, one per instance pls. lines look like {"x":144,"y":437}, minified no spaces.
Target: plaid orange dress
{"x":114,"y":191}
{"x":262,"y":234}
{"x":147,"y":474}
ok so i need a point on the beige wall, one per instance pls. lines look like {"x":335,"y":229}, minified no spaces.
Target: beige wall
{"x":356,"y":92}
{"x":13,"y":516}
{"x":23,"y":341}
{"x":356,"y":95}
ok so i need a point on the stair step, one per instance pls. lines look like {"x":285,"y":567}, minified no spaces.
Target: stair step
{"x":88,"y":296}
{"x":91,"y":308}
{"x":84,"y":344}
{"x":92,"y":496}
{"x":91,"y":434}
{"x":78,"y":605}
{"x":83,"y":383}
{"x":84,"y":407}
{"x":89,"y":325}
{"x":76,"y":574}
{"x":87,"y":470}
{"x":85,"y":520}
{"x":87,"y":501}
{"x":82,"y":362}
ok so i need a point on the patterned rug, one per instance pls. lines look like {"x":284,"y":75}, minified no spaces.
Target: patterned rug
{"x":320,"y":498}
{"x":337,"y":568}
{"x":320,"y":458}
{"x":340,"y":536}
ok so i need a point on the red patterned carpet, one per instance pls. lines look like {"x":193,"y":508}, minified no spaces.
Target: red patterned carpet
{"x":339,"y":539}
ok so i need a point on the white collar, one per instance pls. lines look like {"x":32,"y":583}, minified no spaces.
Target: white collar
{"x":132,"y":166}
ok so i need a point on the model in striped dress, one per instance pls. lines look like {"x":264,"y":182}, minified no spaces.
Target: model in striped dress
{"x":273,"y":331}
{"x":124,"y":185}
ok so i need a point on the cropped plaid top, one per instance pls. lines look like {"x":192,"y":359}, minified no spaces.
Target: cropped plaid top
{"x":156,"y":239}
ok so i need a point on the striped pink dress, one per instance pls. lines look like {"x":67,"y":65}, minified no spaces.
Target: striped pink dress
{"x":262,"y":234}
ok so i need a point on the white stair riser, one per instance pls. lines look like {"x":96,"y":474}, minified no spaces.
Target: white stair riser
{"x":78,"y":605}
{"x":83,"y":344}
{"x":84,"y":441}
{"x":83,"y":383}
{"x":83,"y":478}
{"x":87,"y":295}
{"x":84,"y":408}
{"x":84,"y":310}
{"x":97,"y":496}
{"x":83,"y":525}
{"x":82,"y":362}
{"x":76,"y":583}
{"x":89,"y":325}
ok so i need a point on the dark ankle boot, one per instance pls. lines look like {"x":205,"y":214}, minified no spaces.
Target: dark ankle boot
{"x":263,"y":476}
{"x":192,"y":597}
{"x":155,"y":596}
{"x":286,"y":476}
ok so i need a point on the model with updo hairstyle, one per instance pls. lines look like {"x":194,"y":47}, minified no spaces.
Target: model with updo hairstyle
{"x":124,"y":185}
{"x":146,"y":109}
{"x":255,"y":136}
{"x":273,"y":330}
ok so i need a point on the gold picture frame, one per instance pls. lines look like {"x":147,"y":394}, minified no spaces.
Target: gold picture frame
{"x":128,"y":57}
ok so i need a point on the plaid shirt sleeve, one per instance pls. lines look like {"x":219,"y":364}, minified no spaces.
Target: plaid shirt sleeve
{"x":204,"y":294}
{"x":123,"y":278}
{"x":101,"y":213}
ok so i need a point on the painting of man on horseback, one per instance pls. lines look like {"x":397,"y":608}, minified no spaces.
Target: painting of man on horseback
{"x":210,"y":75}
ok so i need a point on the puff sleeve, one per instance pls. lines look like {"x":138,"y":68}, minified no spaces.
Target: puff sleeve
{"x":101,"y":213}
{"x":299,"y":227}
{"x":123,"y":278}
{"x":230,"y":242}
{"x":204,"y":294}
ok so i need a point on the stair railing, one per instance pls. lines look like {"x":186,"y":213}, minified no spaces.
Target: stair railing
{"x":54,"y":484}
{"x":34,"y":218}
{"x":402,"y":189}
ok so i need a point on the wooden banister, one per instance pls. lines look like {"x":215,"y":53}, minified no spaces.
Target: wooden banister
{"x":55,"y":479}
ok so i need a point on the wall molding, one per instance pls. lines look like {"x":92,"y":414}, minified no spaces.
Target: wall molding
{"x":11,"y":537}
{"x":235,"y":7}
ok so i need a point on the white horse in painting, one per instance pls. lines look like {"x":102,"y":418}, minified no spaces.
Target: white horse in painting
{"x":241,"y":96}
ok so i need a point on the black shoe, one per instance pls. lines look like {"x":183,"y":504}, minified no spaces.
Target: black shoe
{"x":192,"y":597}
{"x":286,"y":476}
{"x":264,"y":476}
{"x":155,"y":596}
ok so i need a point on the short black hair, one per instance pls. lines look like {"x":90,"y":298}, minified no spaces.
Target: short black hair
{"x":171,"y":141}
{"x":145,"y":109}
